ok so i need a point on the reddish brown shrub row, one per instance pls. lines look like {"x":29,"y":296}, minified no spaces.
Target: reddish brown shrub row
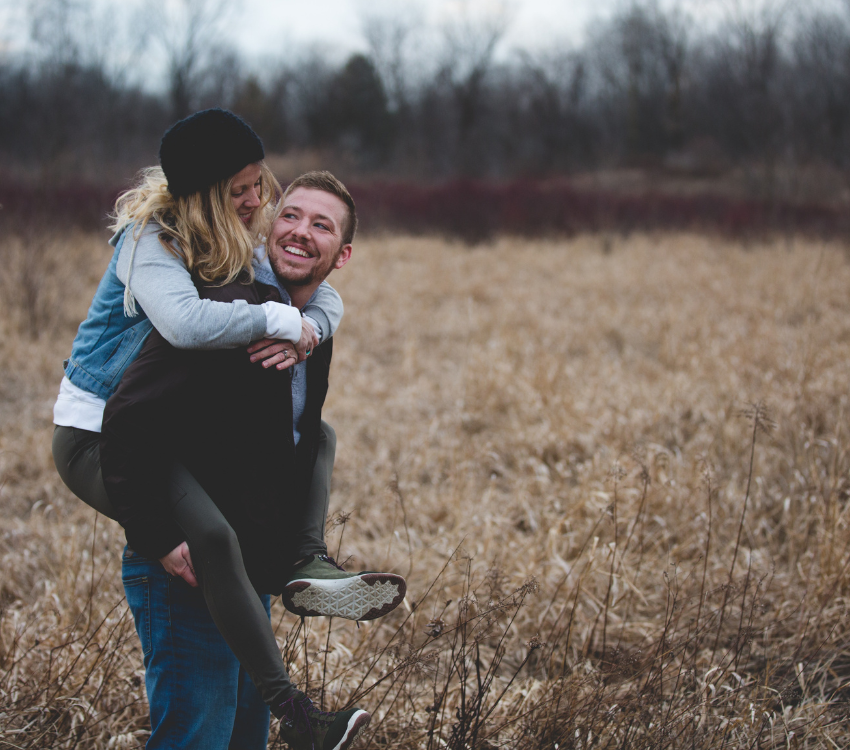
{"x":478,"y":210}
{"x":40,"y":206}
{"x":475,"y":210}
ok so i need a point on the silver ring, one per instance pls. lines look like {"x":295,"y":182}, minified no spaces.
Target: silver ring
{"x":285,"y":354}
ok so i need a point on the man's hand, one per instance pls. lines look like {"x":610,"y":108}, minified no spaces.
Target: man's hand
{"x":178,"y":563}
{"x":283,"y":354}
{"x":272,"y":352}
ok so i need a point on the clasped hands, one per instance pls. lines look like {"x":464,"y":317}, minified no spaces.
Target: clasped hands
{"x":283,"y":354}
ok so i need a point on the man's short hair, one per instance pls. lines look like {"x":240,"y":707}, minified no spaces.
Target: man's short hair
{"x":326,"y":182}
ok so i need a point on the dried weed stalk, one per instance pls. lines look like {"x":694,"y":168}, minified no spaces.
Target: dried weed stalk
{"x":695,"y":596}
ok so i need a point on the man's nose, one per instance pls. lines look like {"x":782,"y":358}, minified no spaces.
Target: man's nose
{"x":302,"y":229}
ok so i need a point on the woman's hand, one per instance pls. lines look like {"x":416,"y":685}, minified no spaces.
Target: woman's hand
{"x":283,"y":354}
{"x":178,"y":563}
{"x":308,"y":341}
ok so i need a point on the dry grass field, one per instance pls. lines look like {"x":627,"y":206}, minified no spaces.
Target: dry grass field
{"x":616,"y":475}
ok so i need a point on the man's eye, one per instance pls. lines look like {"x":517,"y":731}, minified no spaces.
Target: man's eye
{"x":322,"y":226}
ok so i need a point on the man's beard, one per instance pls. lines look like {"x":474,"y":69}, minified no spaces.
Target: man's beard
{"x":317,"y":274}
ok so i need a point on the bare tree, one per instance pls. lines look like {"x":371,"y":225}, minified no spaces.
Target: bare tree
{"x":747,"y":88}
{"x":469,"y":46}
{"x":394,"y":41}
{"x":552,"y":132}
{"x":73,"y":67}
{"x":82,"y":33}
{"x":55,"y":27}
{"x":822,"y":85}
{"x":640,"y":57}
{"x":188,"y":31}
{"x":766,"y":89}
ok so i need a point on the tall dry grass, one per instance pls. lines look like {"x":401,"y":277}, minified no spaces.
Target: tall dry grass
{"x":616,"y":476}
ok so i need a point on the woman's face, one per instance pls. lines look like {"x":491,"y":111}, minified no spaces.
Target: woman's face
{"x":245,"y":192}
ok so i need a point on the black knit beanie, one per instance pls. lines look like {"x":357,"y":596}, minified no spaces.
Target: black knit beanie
{"x":205,"y":148}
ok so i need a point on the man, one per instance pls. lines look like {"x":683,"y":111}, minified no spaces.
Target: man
{"x":242,"y":436}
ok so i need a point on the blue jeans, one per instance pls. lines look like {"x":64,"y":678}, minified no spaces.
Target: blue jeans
{"x":200,"y":697}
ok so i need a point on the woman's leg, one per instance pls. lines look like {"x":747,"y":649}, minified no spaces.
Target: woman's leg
{"x":233,"y":603}
{"x":234,"y":606}
{"x":310,"y":536}
{"x":76,"y":454}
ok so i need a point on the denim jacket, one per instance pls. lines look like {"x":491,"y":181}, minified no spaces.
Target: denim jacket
{"x":107,"y":341}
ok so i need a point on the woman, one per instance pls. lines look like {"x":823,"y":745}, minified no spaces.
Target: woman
{"x":198,"y":217}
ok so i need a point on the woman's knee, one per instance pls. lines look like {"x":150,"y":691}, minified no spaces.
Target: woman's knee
{"x":76,"y":454}
{"x":328,"y":437}
{"x":217,"y":541}
{"x":63,"y":450}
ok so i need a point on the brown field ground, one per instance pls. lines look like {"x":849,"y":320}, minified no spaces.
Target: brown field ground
{"x":616,"y":477}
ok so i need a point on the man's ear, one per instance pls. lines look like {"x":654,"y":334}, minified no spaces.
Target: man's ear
{"x":343,"y":257}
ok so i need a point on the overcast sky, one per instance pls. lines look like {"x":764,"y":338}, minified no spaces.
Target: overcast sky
{"x":273,"y":28}
{"x":337,"y":23}
{"x":268,"y":25}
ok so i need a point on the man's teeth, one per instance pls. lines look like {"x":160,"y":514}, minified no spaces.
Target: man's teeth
{"x":297,"y":251}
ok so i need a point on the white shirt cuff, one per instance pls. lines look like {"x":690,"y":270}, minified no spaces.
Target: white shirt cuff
{"x":282,"y":321}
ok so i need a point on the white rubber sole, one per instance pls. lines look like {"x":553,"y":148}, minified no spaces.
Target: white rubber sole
{"x":356,"y":725}
{"x":362,"y":597}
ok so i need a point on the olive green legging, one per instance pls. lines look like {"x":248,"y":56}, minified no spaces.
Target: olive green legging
{"x":216,"y":557}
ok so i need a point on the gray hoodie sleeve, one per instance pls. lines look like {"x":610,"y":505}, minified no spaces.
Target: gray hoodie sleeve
{"x":325,"y":308}
{"x":164,"y":289}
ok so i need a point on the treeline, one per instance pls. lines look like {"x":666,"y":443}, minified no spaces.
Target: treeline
{"x":769,"y":90}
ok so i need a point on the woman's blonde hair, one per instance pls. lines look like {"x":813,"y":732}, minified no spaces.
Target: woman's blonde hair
{"x":203,"y":228}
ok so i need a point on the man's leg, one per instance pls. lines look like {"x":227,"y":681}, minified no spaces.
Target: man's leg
{"x":251,"y":726}
{"x":198,"y":698}
{"x":318,"y":586}
{"x":309,"y":538}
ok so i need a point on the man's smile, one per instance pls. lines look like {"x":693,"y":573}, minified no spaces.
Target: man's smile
{"x":293,"y":250}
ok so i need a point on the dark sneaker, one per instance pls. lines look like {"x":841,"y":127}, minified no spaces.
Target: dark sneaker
{"x":320,"y":587}
{"x":304,"y":727}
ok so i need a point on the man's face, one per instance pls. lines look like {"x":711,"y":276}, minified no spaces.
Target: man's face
{"x":305,"y":244}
